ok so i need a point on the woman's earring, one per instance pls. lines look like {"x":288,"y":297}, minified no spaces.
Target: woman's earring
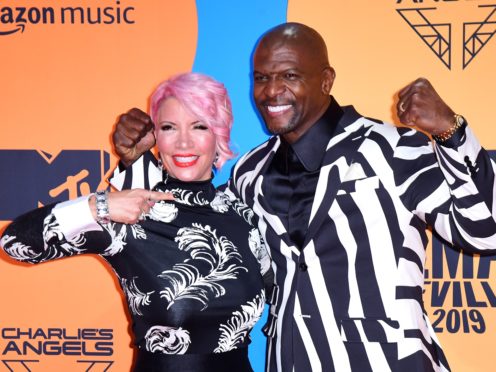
{"x":216,"y":159}
{"x":160,"y":165}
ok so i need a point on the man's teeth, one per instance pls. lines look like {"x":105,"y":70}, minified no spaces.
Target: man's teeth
{"x":185,"y":159}
{"x":278,"y":108}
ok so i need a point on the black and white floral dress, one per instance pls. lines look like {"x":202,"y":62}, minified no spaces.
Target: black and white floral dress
{"x":191,"y":272}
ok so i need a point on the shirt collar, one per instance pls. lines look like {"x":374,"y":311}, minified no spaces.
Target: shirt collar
{"x":311,"y":146}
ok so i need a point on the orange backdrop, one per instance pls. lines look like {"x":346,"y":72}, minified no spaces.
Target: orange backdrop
{"x":64,"y":82}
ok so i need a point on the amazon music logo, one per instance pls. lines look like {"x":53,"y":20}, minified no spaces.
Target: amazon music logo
{"x":17,"y":18}
{"x":432,"y":21}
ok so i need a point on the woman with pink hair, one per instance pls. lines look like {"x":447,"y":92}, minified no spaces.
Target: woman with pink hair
{"x":192,"y":268}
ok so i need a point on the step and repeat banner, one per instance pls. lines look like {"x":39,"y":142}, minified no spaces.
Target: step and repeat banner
{"x":70,"y":67}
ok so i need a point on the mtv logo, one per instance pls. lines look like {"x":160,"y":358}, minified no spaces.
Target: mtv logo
{"x":31,"y":178}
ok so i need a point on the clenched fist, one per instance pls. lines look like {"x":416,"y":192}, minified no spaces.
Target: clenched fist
{"x":133,"y":135}
{"x":420,"y":105}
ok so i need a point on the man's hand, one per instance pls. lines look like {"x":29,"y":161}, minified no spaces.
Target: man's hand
{"x":420,"y":105}
{"x":133,"y":135}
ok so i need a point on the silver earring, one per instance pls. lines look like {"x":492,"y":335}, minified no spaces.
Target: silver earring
{"x":159,"y":163}
{"x":216,"y":159}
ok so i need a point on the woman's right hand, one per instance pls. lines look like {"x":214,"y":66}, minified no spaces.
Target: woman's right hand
{"x":128,"y":206}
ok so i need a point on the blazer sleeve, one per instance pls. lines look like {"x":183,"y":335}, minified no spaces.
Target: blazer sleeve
{"x":451,"y":189}
{"x":144,"y":173}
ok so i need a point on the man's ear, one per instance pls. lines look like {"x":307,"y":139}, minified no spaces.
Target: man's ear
{"x":328,"y":76}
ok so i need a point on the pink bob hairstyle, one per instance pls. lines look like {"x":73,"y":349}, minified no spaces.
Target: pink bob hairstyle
{"x":205,"y":98}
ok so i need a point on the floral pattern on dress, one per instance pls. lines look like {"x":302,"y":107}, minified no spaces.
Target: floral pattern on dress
{"x":185,"y":279}
{"x":135,"y":297}
{"x":167,"y":340}
{"x":240,"y":323}
{"x":163,"y":211}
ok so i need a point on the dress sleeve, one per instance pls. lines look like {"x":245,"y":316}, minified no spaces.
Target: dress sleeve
{"x":36,"y":236}
{"x":451,"y":189}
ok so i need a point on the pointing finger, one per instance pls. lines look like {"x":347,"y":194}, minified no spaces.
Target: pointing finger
{"x":154,"y":196}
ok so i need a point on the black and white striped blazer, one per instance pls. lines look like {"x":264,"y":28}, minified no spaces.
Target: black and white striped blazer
{"x":351,"y":299}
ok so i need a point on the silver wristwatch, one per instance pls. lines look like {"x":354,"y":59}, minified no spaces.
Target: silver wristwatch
{"x":102,"y":209}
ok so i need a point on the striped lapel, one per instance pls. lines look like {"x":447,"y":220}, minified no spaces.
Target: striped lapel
{"x":339,"y":157}
{"x":254,"y":193}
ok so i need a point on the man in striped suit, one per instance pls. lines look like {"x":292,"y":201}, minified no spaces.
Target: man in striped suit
{"x":344,"y":203}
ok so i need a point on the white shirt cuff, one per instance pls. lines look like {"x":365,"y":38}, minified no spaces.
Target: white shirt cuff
{"x":75,"y":217}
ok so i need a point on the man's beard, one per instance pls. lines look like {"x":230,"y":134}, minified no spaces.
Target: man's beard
{"x":284,"y":129}
{"x":278,"y":130}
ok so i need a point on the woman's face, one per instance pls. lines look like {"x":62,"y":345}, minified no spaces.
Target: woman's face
{"x":187,"y":146}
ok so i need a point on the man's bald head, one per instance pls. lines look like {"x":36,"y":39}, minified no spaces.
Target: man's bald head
{"x":298,"y":35}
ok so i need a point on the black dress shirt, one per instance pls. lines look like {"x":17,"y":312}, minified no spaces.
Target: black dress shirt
{"x":293,"y":174}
